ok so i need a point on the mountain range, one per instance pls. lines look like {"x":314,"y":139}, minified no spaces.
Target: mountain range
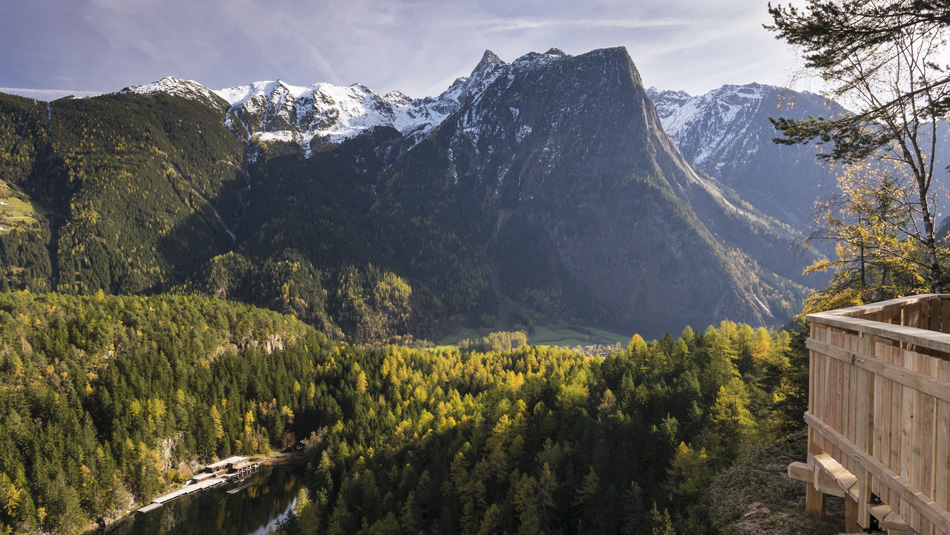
{"x":537,"y":191}
{"x":726,"y":133}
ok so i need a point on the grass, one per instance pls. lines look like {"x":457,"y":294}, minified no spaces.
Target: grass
{"x":755,"y":495}
{"x":450,"y":342}
{"x":544,"y":335}
{"x":16,"y":210}
{"x":575,"y":335}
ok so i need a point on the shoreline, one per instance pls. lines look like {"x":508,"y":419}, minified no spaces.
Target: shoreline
{"x":278,"y":459}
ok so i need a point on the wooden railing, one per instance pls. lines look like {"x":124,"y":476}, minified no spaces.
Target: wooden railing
{"x":879,"y":414}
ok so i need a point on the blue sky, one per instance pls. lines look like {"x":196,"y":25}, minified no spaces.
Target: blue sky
{"x":416,"y":46}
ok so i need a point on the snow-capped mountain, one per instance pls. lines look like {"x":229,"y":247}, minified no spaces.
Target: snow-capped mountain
{"x":542,"y":187}
{"x":275,"y":110}
{"x":727,"y":134}
{"x":180,"y":88}
{"x":557,"y":175}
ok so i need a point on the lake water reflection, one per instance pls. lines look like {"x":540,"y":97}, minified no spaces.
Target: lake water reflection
{"x":255,"y":510}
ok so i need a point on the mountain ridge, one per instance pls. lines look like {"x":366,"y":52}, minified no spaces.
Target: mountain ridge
{"x":547,"y":192}
{"x":727,"y":134}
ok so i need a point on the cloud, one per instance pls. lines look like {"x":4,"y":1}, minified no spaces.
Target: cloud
{"x":629,"y":24}
{"x":416,"y":46}
{"x":47,"y":94}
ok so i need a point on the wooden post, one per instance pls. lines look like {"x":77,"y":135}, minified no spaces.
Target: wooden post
{"x":814,"y":499}
{"x":851,"y":516}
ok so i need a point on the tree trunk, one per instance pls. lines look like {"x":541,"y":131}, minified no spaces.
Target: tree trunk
{"x":931,"y":241}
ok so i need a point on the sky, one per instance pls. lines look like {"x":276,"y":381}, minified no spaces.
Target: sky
{"x":415,"y":46}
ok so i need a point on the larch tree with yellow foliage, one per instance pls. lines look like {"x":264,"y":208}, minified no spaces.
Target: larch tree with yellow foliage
{"x":883,"y":59}
{"x":878,"y":242}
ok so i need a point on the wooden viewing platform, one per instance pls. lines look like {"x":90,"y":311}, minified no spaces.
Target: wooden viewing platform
{"x":879,"y":415}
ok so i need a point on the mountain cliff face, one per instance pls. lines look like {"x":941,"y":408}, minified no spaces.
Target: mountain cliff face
{"x":544,"y":189}
{"x":562,"y":181}
{"x":727,"y":134}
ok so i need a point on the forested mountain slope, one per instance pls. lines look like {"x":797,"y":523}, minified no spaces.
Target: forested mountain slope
{"x":541,"y":190}
{"x":559,"y":176}
{"x":106,"y":400}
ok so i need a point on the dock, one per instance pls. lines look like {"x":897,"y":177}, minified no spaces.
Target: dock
{"x":210,"y":476}
{"x":239,"y":489}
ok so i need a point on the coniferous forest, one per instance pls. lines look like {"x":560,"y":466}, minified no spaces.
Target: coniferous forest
{"x":106,"y":400}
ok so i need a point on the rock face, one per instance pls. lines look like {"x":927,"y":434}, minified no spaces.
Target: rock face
{"x":727,"y":134}
{"x":560,"y":177}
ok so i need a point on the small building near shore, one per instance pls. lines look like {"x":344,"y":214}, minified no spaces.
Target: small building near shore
{"x":228,"y":465}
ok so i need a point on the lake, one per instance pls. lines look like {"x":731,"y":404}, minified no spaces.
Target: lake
{"x":255,"y":510}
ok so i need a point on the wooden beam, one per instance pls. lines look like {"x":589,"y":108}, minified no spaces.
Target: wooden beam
{"x":851,"y":516}
{"x":887,"y":518}
{"x":800,"y":472}
{"x":814,"y":501}
{"x":902,"y":333}
{"x":921,"y":382}
{"x":917,"y":500}
{"x":881,"y":306}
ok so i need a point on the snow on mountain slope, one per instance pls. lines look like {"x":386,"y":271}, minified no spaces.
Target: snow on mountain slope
{"x":715,"y":123}
{"x":275,"y":110}
{"x":727,"y":134}
{"x":180,"y":88}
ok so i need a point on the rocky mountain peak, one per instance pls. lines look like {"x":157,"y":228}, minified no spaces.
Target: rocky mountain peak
{"x":181,"y":88}
{"x":538,"y":155}
{"x":489,"y":58}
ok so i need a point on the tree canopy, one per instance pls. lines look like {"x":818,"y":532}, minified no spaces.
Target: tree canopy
{"x":881,"y":59}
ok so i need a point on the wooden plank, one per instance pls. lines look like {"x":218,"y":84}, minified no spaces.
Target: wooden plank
{"x":913,"y":317}
{"x":912,"y":496}
{"x":942,"y":445}
{"x":814,"y":500}
{"x":812,"y":373}
{"x":856,"y":406}
{"x":907,"y":429}
{"x":945,"y":314}
{"x":878,"y":419}
{"x":882,"y":421}
{"x":851,"y":516}
{"x":901,"y":333}
{"x":928,"y":430}
{"x":938,"y":388}
{"x":845,"y":398}
{"x":826,"y":388}
{"x":916,"y":429}
{"x":897,"y":410}
{"x":863,"y":414}
{"x":934,"y":323}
